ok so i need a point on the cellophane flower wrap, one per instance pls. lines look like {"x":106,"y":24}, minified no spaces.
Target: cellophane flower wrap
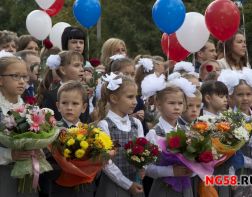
{"x":28,"y":128}
{"x":141,"y":152}
{"x":191,"y":149}
{"x":81,"y":152}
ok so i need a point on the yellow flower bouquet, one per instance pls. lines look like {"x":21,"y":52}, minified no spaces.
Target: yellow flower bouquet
{"x":81,"y":152}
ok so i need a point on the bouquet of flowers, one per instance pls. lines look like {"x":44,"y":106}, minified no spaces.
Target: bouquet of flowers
{"x":191,"y":149}
{"x":29,"y":128}
{"x":140,"y":152}
{"x":81,"y":152}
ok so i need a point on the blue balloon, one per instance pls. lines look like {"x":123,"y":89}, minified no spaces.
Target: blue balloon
{"x":168,"y":15}
{"x":87,"y":12}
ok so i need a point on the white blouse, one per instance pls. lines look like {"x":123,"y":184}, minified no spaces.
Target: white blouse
{"x":152,"y":170}
{"x":124,"y":124}
{"x":5,"y":105}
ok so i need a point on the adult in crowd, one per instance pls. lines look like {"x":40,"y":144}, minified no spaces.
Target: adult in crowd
{"x":28,"y":42}
{"x":207,"y":52}
{"x":8,"y":41}
{"x":74,"y":39}
{"x":209,"y":67}
{"x":111,"y":47}
{"x":235,"y":53}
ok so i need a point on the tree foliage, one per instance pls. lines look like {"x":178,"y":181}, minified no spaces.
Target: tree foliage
{"x":129,"y":20}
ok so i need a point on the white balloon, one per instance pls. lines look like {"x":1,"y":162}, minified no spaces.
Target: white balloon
{"x":56,"y":33}
{"x":38,"y":24}
{"x":45,"y":4}
{"x":193,"y":34}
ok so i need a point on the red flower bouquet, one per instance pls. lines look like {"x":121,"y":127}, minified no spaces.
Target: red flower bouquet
{"x":141,"y":152}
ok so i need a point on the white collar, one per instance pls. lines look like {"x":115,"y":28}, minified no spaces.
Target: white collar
{"x":118,"y":119}
{"x":69,"y":124}
{"x":167,"y":127}
{"x":7,"y":106}
{"x":245,"y":115}
{"x":29,"y":85}
{"x":205,"y":112}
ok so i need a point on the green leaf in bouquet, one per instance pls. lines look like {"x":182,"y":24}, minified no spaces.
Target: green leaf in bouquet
{"x":191,"y":149}
{"x":189,"y":156}
{"x":39,"y":135}
{"x":22,"y":127}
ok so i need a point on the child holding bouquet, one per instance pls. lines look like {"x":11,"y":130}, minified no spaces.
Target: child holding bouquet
{"x":240,"y":92}
{"x":13,"y":80}
{"x":118,"y":175}
{"x":71,"y":102}
{"x":171,"y":102}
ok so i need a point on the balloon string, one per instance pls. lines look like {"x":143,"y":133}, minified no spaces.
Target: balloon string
{"x":168,"y":46}
{"x":224,"y":50}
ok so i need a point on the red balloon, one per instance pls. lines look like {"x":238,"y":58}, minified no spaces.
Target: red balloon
{"x":173,"y":50}
{"x":55,"y":8}
{"x":222,"y":19}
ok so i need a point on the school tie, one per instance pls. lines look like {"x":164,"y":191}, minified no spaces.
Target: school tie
{"x":30,"y":90}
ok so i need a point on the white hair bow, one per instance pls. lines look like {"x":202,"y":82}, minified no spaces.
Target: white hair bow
{"x":147,"y":64}
{"x":230,"y":78}
{"x":174,"y":75}
{"x":247,"y":75}
{"x":186,"y":66}
{"x":53,"y":61}
{"x":151,"y":84}
{"x":3,"y":53}
{"x":117,"y":56}
{"x":113,"y":83}
{"x":188,"y":88}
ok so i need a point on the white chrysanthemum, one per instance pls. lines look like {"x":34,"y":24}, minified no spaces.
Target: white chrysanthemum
{"x":53,"y":61}
{"x":147,"y":64}
{"x":47,"y":110}
{"x":241,"y":134}
{"x":151,"y":84}
{"x":184,"y":66}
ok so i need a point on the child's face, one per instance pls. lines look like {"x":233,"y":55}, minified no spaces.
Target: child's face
{"x":14,"y":80}
{"x":125,"y":101}
{"x":128,"y":70}
{"x":193,"y":109}
{"x":171,"y":106}
{"x":71,"y":105}
{"x":218,"y":102}
{"x":73,"y":71}
{"x":242,"y":97}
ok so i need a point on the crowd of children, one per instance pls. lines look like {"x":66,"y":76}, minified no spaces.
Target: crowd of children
{"x":126,"y":98}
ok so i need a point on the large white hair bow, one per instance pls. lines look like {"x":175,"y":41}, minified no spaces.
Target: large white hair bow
{"x":117,"y":56}
{"x":113,"y":83}
{"x":147,"y":64}
{"x":151,"y":84}
{"x":186,"y":66}
{"x":3,"y":53}
{"x":53,"y":61}
{"x":174,"y":75}
{"x":188,"y":88}
{"x":230,"y":78}
{"x":247,"y":75}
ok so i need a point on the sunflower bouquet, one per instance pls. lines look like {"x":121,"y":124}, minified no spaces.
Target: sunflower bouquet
{"x":81,"y":152}
{"x":29,"y":128}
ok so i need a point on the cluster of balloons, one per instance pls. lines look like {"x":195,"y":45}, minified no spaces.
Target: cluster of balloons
{"x":39,"y":23}
{"x":186,"y":33}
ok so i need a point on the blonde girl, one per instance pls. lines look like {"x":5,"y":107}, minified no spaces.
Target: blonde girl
{"x":13,"y":80}
{"x":118,"y":175}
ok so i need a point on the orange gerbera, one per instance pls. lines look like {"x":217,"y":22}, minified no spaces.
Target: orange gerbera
{"x":200,"y":126}
{"x":223,"y":126}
